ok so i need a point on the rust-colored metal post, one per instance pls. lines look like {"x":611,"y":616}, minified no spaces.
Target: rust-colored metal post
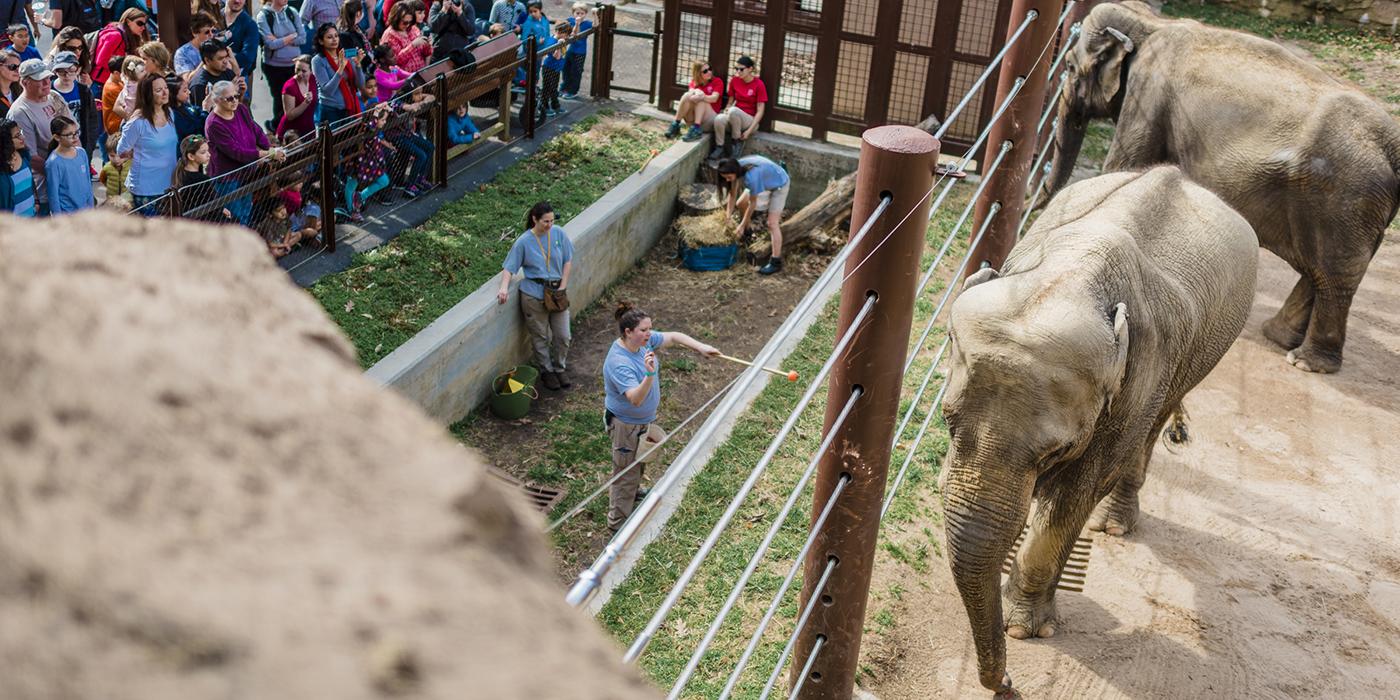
{"x":532,"y":88}
{"x":603,"y":75}
{"x":655,"y":54}
{"x":898,"y":160}
{"x":444,"y":144}
{"x":1017,"y":125}
{"x":327,"y":188}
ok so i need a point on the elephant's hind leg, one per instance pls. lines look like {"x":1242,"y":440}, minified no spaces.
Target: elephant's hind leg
{"x":1028,"y":597}
{"x":1289,"y":326}
{"x":1117,"y":513}
{"x":1321,"y":350}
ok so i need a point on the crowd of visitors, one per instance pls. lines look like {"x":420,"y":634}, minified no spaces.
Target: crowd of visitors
{"x":111,"y":117}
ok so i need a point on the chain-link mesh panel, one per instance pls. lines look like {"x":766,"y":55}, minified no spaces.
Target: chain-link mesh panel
{"x":916,"y":22}
{"x":746,"y":40}
{"x":694,"y":45}
{"x":278,"y":199}
{"x":852,"y":80}
{"x":860,"y":16}
{"x":960,"y":80}
{"x":907,"y":88}
{"x":976,"y":27}
{"x":799,"y":71}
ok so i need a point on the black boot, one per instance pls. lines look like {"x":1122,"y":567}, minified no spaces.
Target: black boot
{"x":562,"y":376}
{"x":775,"y":264}
{"x":551,"y":380}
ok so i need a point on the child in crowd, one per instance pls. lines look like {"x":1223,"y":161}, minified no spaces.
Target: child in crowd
{"x":113,"y":174}
{"x":289,"y":137}
{"x":368,"y":173}
{"x":302,"y":211}
{"x":408,"y":142}
{"x":111,"y":119}
{"x":388,"y":76}
{"x":133,"y":70}
{"x":66,"y":174}
{"x":460,"y":127}
{"x":581,"y":20}
{"x":369,"y":93}
{"x":553,"y":66}
{"x":20,"y":42}
{"x":189,"y":117}
{"x":195,"y":186}
{"x":493,"y":31}
{"x":276,"y":229}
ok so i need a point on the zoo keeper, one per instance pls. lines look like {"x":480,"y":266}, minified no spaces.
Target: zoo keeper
{"x":632,"y":393}
{"x":546,"y":255}
{"x":767,"y":185}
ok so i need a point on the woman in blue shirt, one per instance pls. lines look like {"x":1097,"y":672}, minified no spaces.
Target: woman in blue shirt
{"x":546,"y":255}
{"x":17,"y":180}
{"x":152,"y":143}
{"x":631,"y":396}
{"x":767,"y":185}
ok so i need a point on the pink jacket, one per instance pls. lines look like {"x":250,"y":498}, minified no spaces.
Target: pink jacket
{"x":110,"y":42}
{"x":410,"y":58}
{"x":390,"y":81}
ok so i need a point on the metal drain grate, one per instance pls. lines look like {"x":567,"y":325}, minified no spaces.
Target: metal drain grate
{"x":543,"y":498}
{"x":1076,"y":569}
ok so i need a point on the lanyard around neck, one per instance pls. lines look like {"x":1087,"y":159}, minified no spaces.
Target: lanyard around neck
{"x":545,"y":247}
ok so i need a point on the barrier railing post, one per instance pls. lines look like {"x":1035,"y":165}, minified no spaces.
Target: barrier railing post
{"x":177,"y":203}
{"x":594,"y":89}
{"x":532,"y":87}
{"x":327,"y":188}
{"x":898,"y":160}
{"x":1030,"y":59}
{"x":440,"y":130}
{"x":655,"y":54}
{"x":603,"y":73}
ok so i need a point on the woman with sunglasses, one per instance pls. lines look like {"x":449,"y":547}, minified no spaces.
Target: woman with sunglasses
{"x":236,"y":140}
{"x":16,"y":179}
{"x":71,"y":39}
{"x":9,"y":79}
{"x":66,"y":169}
{"x":411,"y":49}
{"x":697,"y":105}
{"x":152,"y":143}
{"x":120,"y":38}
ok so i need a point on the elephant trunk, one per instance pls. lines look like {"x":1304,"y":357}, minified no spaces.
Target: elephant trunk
{"x":984,"y":511}
{"x":1069,"y":138}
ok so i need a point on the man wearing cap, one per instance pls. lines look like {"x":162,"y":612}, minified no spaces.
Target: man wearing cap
{"x":748,"y":98}
{"x":34,"y":110}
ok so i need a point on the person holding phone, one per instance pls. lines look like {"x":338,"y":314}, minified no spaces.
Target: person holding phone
{"x":338,"y":77}
{"x":453,"y":24}
{"x":631,"y":396}
{"x":299,"y":99}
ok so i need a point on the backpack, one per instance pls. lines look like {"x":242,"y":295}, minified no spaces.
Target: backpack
{"x":91,"y":38}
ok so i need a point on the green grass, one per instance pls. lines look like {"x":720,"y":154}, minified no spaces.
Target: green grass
{"x":636,"y":599}
{"x":1333,"y":41}
{"x":390,"y":293}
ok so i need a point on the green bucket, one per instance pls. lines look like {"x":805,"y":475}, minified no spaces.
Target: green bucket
{"x":513,"y":403}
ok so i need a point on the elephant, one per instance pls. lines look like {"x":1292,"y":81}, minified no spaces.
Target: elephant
{"x":1064,"y":368}
{"x":1313,"y":164}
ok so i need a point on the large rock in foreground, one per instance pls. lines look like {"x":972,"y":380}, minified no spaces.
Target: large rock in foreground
{"x":201,"y":496}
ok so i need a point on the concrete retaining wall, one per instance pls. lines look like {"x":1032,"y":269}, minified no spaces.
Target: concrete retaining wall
{"x":447,"y":368}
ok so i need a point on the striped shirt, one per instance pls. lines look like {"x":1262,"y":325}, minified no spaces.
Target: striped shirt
{"x":23,"y":180}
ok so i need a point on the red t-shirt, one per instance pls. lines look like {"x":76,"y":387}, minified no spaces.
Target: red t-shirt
{"x":710,"y":88}
{"x":747,"y":96}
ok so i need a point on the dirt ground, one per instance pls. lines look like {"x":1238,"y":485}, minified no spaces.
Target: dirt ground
{"x":1267,"y":560}
{"x":735,"y":310}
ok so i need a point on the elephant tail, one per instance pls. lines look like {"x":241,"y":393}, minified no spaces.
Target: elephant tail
{"x":1176,"y":433}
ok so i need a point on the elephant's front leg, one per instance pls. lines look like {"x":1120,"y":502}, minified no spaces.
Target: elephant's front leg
{"x":1028,"y":597}
{"x":1321,"y":350}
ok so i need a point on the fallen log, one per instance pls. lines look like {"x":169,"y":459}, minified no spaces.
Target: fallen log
{"x":828,"y":210}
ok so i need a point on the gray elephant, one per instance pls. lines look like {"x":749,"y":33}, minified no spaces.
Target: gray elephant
{"x":1065,"y":367}
{"x":1312,"y":164}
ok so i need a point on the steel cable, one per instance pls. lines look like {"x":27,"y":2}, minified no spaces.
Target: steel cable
{"x":778,"y":521}
{"x":801,"y":677}
{"x":1037,"y":178}
{"x":589,"y":579}
{"x":713,"y":538}
{"x":923,"y":428}
{"x":655,"y":446}
{"x":987,"y":73}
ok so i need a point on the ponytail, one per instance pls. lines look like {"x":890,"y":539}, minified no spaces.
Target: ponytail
{"x":628,"y":317}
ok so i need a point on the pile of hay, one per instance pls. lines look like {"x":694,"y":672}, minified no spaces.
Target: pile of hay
{"x":712,"y":229}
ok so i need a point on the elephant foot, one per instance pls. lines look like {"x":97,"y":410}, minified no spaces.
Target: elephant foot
{"x":1310,"y":359}
{"x":1115,"y":515}
{"x":1030,"y":616}
{"x":1282,"y":334}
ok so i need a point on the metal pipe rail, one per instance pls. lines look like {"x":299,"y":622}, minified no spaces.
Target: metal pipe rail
{"x":712,"y":539}
{"x":578,"y":507}
{"x":588,"y":579}
{"x":737,"y":590}
{"x":987,"y":73}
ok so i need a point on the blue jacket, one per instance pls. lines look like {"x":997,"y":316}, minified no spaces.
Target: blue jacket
{"x":244,"y":41}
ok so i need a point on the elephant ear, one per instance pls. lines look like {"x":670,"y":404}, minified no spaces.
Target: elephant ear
{"x":1115,"y":375}
{"x":1110,"y":52}
{"x":985,"y":274}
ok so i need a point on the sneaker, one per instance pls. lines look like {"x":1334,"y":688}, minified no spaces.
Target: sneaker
{"x":560,"y":111}
{"x":568,"y":95}
{"x":718,"y":152}
{"x":563,"y":378}
{"x":675,"y":130}
{"x":357,"y":203}
{"x":551,"y":380}
{"x":694,"y":134}
{"x":774,"y":265}
{"x":411,"y":192}
{"x":423,"y":185}
{"x":357,"y":217}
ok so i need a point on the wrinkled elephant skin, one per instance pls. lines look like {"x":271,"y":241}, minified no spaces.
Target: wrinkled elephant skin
{"x":1064,"y":368}
{"x":1312,"y":164}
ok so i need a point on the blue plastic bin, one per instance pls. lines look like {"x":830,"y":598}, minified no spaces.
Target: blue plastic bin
{"x":710,"y":258}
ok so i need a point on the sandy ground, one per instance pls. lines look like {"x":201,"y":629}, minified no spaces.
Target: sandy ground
{"x":1267,"y":560}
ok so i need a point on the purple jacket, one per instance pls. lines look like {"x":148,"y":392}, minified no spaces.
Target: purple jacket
{"x":234,"y":142}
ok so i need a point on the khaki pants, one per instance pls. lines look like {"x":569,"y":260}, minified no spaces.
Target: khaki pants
{"x":549,"y":334}
{"x":623,"y":493}
{"x":732,"y":121}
